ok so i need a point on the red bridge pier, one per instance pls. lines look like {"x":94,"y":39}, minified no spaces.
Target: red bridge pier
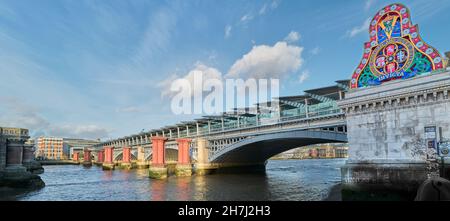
{"x":87,"y":158}
{"x":100,"y":157}
{"x":184,"y":166}
{"x":76,"y":157}
{"x":108,"y":164}
{"x":126,"y":159}
{"x":158,"y":168}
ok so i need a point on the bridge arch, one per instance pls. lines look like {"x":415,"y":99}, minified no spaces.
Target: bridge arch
{"x":258,"y":149}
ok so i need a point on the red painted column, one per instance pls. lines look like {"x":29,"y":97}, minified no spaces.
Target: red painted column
{"x":75,"y":156}
{"x":183,"y":151}
{"x":158,"y":150}
{"x":108,"y":154}
{"x":87,"y":156}
{"x":126,"y":155}
{"x":100,"y":156}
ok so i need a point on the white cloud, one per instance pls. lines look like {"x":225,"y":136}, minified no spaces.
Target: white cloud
{"x":268,"y":7}
{"x":263,"y":9}
{"x":303,"y":76}
{"x":275,"y":4}
{"x":29,"y":117}
{"x":246,"y":18}
{"x":79,"y":131}
{"x":228,"y":31}
{"x":359,"y":29}
{"x":368,"y":4}
{"x":265,"y":61}
{"x":315,"y":51}
{"x":292,"y":37}
{"x":207,"y":73}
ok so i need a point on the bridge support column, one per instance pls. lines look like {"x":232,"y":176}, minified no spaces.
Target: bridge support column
{"x":15,"y":174}
{"x":76,"y":157}
{"x":14,"y":156}
{"x":87,"y":158}
{"x":203,"y":167}
{"x":29,"y":162}
{"x":158,"y":169}
{"x":141,"y":163}
{"x":126,"y":158}
{"x":100,"y":157}
{"x":183,"y":167}
{"x":109,"y":161}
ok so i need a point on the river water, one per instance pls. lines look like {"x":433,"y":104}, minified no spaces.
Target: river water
{"x":284,"y":180}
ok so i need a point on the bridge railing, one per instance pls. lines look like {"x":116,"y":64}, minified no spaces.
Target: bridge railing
{"x":248,"y":125}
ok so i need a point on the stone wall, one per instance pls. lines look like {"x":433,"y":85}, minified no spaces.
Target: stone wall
{"x":386,"y":134}
{"x":387,"y":122}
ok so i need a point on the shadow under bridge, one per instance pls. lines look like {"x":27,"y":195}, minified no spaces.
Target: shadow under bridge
{"x":258,"y":149}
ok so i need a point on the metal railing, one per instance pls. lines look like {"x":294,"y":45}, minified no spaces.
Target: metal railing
{"x":232,"y":126}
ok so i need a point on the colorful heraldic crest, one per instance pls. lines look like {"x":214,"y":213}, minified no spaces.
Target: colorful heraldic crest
{"x":395,"y":50}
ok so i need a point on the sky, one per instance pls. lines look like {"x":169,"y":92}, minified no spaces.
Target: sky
{"x":102,"y":68}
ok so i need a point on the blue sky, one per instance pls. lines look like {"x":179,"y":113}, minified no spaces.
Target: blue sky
{"x":98,"y":68}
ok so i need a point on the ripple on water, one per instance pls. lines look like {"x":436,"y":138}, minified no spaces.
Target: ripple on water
{"x":283,"y":180}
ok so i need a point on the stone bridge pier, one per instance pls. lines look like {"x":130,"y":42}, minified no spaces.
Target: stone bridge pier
{"x":17,"y":165}
{"x":29,"y":161}
{"x":141,"y":162}
{"x":203,"y":166}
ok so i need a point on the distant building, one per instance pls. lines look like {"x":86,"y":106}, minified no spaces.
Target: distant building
{"x":50,"y":148}
{"x":53,"y":148}
{"x":77,"y":145}
{"x":318,"y":151}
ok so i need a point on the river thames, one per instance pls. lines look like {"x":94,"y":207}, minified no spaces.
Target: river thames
{"x":292,"y":180}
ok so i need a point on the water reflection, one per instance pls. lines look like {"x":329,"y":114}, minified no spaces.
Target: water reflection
{"x":200,"y":187}
{"x":283,"y":180}
{"x":158,"y":190}
{"x":183,"y":188}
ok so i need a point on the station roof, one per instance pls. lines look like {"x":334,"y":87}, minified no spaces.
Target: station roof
{"x":312,"y":96}
{"x":325,"y":90}
{"x":345,"y":82}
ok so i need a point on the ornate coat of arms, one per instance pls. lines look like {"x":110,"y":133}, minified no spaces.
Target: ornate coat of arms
{"x":395,"y":50}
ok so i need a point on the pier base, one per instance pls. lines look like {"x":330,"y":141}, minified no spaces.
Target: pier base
{"x":126,"y":166}
{"x":142,"y":165}
{"x":183,"y":170}
{"x":87,"y":164}
{"x":18,"y":177}
{"x":157,"y":172}
{"x":204,"y":169}
{"x":34,"y":167}
{"x":382,"y":181}
{"x":108,"y":166}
